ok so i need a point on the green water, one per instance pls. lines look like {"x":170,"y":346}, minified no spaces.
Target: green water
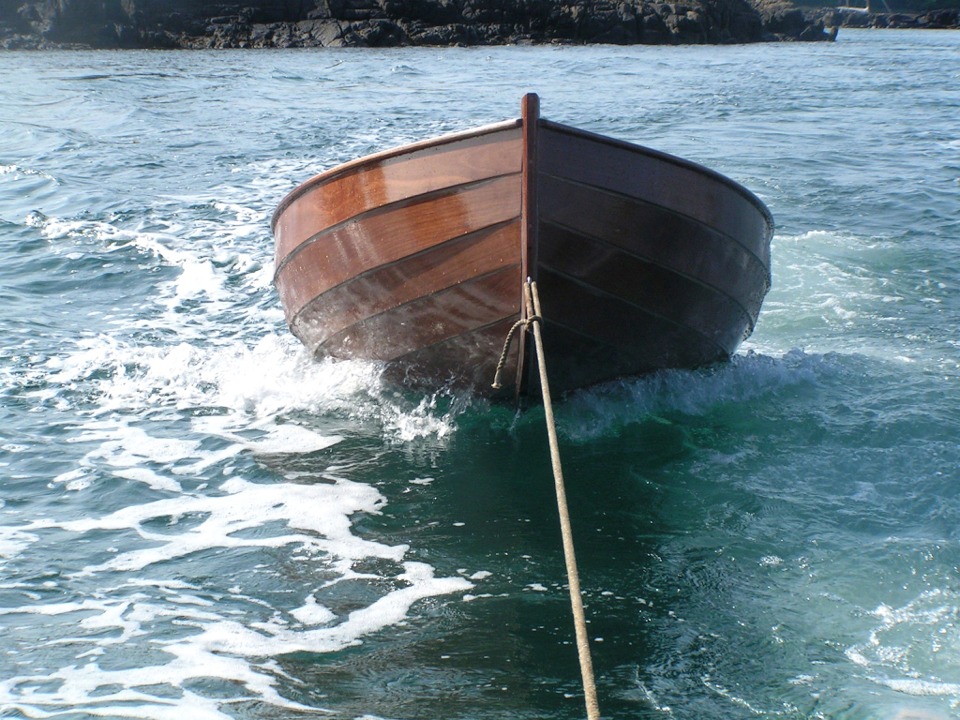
{"x":198,"y":520}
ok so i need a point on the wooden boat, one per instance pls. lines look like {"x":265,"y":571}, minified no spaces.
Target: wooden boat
{"x":417,"y":256}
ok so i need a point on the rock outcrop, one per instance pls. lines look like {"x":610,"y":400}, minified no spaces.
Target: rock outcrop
{"x":786,"y":21}
{"x":379,"y":23}
{"x":944,"y":19}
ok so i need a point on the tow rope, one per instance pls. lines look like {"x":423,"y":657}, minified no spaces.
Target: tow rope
{"x":533,"y":320}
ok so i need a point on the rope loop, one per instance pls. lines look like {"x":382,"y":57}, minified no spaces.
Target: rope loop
{"x":522,"y":323}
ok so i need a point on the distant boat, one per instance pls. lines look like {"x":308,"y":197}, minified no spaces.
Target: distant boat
{"x":417,"y":256}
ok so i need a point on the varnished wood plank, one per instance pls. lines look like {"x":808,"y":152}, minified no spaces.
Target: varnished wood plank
{"x":676,"y":298}
{"x":399,"y":231}
{"x":578,"y":362}
{"x":671,"y":241}
{"x":635,"y":332}
{"x":431,"y":319}
{"x":468,"y":360}
{"x":327,"y":201}
{"x":389,"y":286}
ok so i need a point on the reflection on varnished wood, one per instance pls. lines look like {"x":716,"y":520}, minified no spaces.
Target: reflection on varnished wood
{"x":348,"y":191}
{"x":394,"y":233}
{"x":383,"y":288}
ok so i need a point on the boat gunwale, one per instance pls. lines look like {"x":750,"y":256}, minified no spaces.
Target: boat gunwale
{"x":383,"y":155}
{"x":440,"y":140}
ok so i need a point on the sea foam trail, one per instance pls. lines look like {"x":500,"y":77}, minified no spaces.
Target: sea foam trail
{"x":194,"y":514}
{"x":216,"y":632}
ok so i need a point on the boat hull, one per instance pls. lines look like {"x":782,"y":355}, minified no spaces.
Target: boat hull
{"x":416,"y":257}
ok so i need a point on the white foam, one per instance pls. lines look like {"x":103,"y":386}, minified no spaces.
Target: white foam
{"x":275,"y":638}
{"x":219,"y":257}
{"x":913,"y":686}
{"x":91,"y":688}
{"x":315,"y":518}
{"x":14,"y":540}
{"x":127,"y":449}
{"x":312,"y":613}
{"x":912,"y":649}
{"x":406,"y":424}
{"x":317,"y":515}
{"x":74,"y":480}
{"x":218,"y":635}
{"x":124,"y":377}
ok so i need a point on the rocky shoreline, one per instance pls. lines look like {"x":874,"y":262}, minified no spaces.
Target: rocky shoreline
{"x":947,"y":19}
{"x":46,"y":24}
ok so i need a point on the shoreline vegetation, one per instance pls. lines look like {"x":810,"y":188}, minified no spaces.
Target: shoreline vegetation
{"x":170,"y":24}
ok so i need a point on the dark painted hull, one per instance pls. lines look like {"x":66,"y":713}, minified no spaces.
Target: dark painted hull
{"x":416,"y":257}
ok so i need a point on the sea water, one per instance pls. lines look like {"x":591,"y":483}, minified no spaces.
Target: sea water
{"x":197,"y":520}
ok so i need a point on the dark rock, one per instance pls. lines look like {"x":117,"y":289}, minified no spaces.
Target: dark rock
{"x":940,"y":19}
{"x":435,"y":13}
{"x":378,"y":23}
{"x":374,"y":33}
{"x":785,"y":21}
{"x":930,"y":20}
{"x":454,"y":34}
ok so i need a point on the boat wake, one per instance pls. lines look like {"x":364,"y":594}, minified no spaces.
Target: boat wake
{"x":198,"y":510}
